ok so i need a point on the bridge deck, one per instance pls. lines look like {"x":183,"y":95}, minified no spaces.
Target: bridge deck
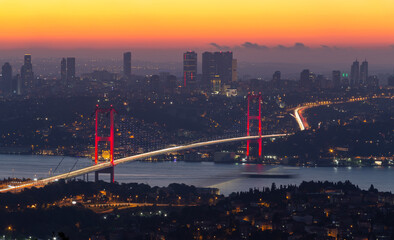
{"x":101,"y":166}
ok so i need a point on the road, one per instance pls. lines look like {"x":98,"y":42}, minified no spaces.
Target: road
{"x":298,"y":115}
{"x":109,"y":207}
{"x":299,"y":111}
{"x":93,"y":168}
{"x":302,"y":123}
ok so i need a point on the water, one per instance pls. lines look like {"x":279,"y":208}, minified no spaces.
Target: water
{"x":226,"y":177}
{"x":34,"y":166}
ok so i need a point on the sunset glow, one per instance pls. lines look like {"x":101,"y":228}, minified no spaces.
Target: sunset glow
{"x":172,"y":23}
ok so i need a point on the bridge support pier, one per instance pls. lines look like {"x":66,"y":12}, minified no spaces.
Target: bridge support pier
{"x":85,"y":177}
{"x":109,"y":170}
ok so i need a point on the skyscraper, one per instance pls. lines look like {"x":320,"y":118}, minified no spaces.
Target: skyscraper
{"x":189,"y":67}
{"x":70,"y":69}
{"x":27,"y":74}
{"x":127,"y":64}
{"x":234,"y":76}
{"x":63,"y":70}
{"x":17,"y":85}
{"x":364,"y":73}
{"x":208,"y":67}
{"x":27,"y":59}
{"x":224,"y":65}
{"x":6,"y":72}
{"x":308,"y":80}
{"x":276,"y":76}
{"x":355,"y":74}
{"x":276,"y":79}
{"x":373,"y":81}
{"x":218,"y":65}
{"x":336,"y":79}
{"x":320,"y":81}
{"x":390,"y":81}
{"x":304,"y":79}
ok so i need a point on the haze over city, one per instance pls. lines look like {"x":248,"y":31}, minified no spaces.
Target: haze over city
{"x":258,"y":31}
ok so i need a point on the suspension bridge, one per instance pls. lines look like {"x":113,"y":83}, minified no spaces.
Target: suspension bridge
{"x":108,"y":167}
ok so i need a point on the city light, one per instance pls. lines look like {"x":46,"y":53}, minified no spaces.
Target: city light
{"x":196,"y":119}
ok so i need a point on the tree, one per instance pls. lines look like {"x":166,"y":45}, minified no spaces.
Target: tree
{"x":62,"y":236}
{"x":273,"y":187}
{"x":372,"y":189}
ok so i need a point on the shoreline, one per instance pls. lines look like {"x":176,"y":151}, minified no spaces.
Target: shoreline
{"x":220,"y":163}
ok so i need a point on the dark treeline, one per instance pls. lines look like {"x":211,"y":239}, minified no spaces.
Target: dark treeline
{"x":57,"y":191}
{"x":78,"y":222}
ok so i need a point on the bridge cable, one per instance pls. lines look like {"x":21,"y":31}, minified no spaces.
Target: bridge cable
{"x":58,"y":165}
{"x":74,"y":165}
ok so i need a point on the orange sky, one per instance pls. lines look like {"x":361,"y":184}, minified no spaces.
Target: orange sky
{"x":194,"y":23}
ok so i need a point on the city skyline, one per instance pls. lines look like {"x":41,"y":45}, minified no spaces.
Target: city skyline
{"x":285,"y":31}
{"x":172,"y":119}
{"x":219,"y":66}
{"x":289,"y":59}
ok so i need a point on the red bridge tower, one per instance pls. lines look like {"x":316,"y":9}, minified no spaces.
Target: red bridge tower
{"x":252,"y":97}
{"x":109,"y":139}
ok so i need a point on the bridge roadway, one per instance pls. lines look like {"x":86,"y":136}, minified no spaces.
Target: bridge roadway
{"x":302,"y":123}
{"x":93,"y":168}
{"x":299,"y":111}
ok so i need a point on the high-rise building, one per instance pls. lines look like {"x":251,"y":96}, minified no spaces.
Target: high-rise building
{"x":127,"y":64}
{"x":170,"y":84}
{"x":373,"y":81}
{"x":67,"y":70}
{"x":364,"y":73}
{"x":216,"y":84}
{"x":320,"y":82}
{"x":17,"y":85}
{"x":208,"y":67}
{"x":218,"y":65}
{"x":63,"y":70}
{"x":345,"y":79}
{"x":276,"y":76}
{"x":224,"y":65}
{"x":336,"y":79}
{"x":70,"y":69}
{"x":6,"y":72}
{"x":164,"y":76}
{"x":355,"y":74}
{"x":234,"y":77}
{"x":304,"y":78}
{"x":189,"y":67}
{"x":27,"y":73}
{"x":390,"y":81}
{"x":313,"y":80}
{"x":308,"y":80}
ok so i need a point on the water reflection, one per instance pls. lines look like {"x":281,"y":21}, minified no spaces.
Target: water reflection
{"x":226,"y":177}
